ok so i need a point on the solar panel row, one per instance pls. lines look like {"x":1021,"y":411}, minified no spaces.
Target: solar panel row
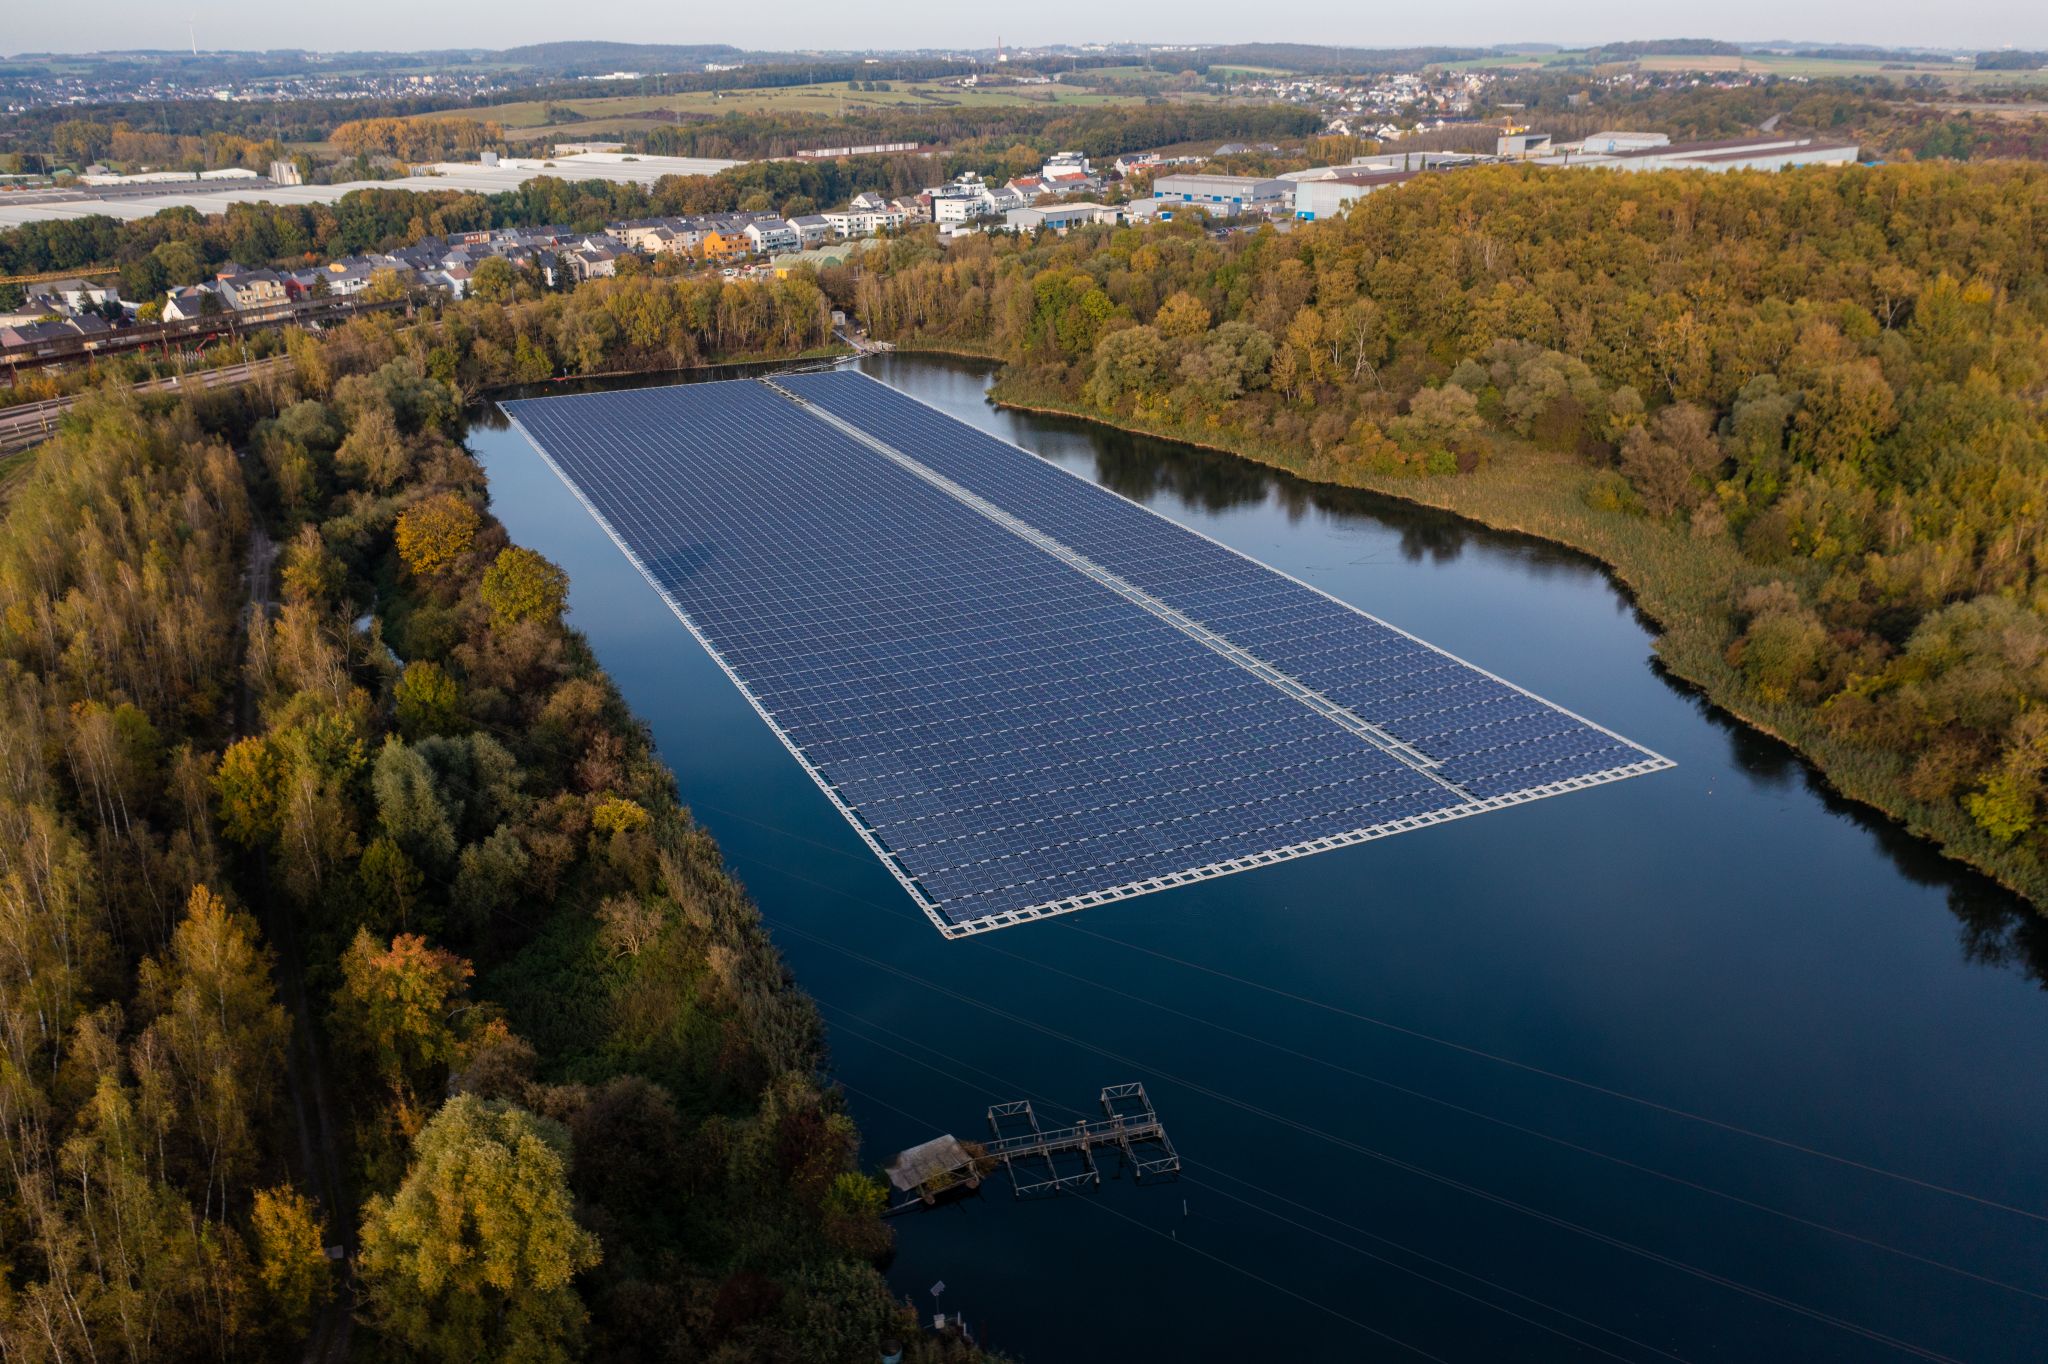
{"x":1027,"y":694}
{"x":1489,"y":737}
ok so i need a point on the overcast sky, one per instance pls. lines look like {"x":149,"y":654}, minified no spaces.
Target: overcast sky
{"x":404,"y":24}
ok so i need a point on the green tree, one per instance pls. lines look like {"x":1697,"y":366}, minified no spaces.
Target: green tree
{"x":476,"y":1255}
{"x":389,"y":888}
{"x":249,"y":788}
{"x":493,"y":281}
{"x":489,"y":877}
{"x":409,"y":807}
{"x":521,"y":585}
{"x":214,"y":1017}
{"x":376,"y":452}
{"x":426,"y":701}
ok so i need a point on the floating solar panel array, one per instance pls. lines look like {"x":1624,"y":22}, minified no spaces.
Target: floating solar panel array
{"x":1027,"y":694}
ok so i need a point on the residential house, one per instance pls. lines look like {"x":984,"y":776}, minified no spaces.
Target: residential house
{"x":960,"y":200}
{"x":249,"y":290}
{"x":591,"y":260}
{"x":66,"y":296}
{"x":717,"y":245}
{"x":812,"y":229}
{"x":768,"y":235}
{"x":38,"y":335}
{"x":183,"y":305}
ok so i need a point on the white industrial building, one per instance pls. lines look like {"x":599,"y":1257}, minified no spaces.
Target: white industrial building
{"x":1654,"y":152}
{"x":1062,"y":217}
{"x":1326,"y":196}
{"x":1223,"y":196}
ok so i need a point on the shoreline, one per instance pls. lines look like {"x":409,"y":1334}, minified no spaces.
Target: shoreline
{"x":1673,"y":652}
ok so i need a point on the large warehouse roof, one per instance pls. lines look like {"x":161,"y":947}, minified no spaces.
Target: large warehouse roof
{"x":32,"y":206}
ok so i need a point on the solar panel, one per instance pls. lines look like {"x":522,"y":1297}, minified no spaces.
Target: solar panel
{"x":1025,"y":693}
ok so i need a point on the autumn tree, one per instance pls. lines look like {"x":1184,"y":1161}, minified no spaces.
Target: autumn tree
{"x":435,"y":534}
{"x":216,"y":1024}
{"x":475,"y":1256}
{"x":520,"y":585}
{"x":291,"y":1253}
{"x":397,"y":1008}
{"x":1183,"y":317}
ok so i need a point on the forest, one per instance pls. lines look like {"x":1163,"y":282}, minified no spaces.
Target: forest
{"x":1802,"y":415}
{"x":360,"y":969}
{"x":1889,"y":120}
{"x":1101,"y":131}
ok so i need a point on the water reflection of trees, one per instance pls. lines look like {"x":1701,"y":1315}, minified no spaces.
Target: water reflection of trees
{"x":1998,"y":928}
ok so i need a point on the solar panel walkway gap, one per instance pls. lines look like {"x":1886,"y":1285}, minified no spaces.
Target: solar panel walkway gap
{"x":1027,"y":694}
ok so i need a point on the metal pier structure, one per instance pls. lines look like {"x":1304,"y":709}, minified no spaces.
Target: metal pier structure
{"x":1041,"y":1162}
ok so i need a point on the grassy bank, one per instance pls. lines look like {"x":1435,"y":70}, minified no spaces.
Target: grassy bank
{"x":1680,"y":582}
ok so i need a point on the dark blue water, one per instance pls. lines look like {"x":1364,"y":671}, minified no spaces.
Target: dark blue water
{"x":1723,"y":939}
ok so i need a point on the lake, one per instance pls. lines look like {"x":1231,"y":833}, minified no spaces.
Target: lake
{"x":1704,"y":1064}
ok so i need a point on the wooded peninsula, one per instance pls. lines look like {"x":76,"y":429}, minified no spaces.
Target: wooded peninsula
{"x":1801,"y":415}
{"x":360,"y":971}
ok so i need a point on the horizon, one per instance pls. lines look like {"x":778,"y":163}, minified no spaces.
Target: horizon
{"x":1997,"y":25}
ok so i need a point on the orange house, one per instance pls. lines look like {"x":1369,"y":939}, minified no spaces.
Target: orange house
{"x":724,"y":246}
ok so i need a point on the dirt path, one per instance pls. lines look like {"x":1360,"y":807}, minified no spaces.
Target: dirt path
{"x":312,"y":1102}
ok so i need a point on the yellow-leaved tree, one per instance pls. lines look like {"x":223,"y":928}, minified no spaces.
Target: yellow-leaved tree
{"x":476,"y":1255}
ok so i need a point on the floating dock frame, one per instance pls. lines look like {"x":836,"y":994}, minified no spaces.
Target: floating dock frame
{"x":1039,"y":1162}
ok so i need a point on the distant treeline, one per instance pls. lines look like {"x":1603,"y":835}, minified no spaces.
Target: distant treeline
{"x":1311,"y":59}
{"x":2011,"y":61}
{"x":1667,"y":47}
{"x":1100,"y":131}
{"x":34,"y":130}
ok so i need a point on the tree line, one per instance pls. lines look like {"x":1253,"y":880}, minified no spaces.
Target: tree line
{"x":1805,"y":408}
{"x":416,"y":139}
{"x":371,"y":775}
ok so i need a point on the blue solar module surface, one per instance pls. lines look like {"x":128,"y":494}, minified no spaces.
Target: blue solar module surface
{"x":1027,"y":694}
{"x":1489,"y":737}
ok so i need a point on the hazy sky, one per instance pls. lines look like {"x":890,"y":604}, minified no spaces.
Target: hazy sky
{"x":402,"y":24}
